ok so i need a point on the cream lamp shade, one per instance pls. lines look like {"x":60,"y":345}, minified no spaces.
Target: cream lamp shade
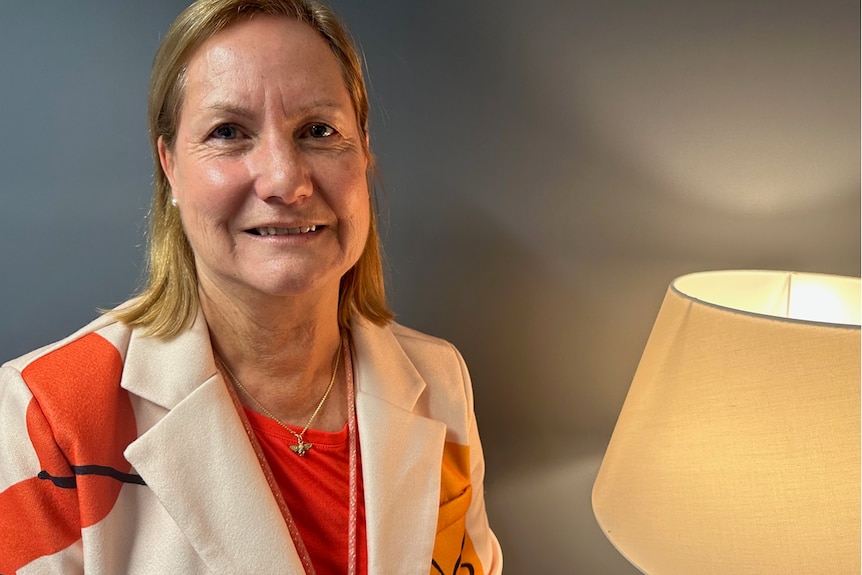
{"x":737,"y":450}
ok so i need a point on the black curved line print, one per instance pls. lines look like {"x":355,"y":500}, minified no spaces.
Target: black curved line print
{"x":458,"y":565}
{"x":71,"y":482}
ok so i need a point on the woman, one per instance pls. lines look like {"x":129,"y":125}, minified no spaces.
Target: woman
{"x":254,"y":410}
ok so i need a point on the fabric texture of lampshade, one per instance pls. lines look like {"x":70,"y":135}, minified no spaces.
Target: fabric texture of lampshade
{"x":737,"y":450}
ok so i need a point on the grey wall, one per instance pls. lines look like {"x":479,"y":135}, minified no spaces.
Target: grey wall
{"x":74,"y":160}
{"x":549,"y":167}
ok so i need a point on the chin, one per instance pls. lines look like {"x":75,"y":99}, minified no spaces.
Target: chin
{"x":293,"y":285}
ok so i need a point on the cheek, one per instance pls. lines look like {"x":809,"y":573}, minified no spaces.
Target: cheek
{"x":211,"y":189}
{"x":357,"y":207}
{"x":353,"y":210}
{"x":220,"y":176}
{"x":345,"y":187}
{"x":208,"y":195}
{"x":362,"y":225}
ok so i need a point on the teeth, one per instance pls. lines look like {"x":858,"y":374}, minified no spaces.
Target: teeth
{"x":285,"y":231}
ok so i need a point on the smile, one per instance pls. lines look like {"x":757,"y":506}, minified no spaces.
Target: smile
{"x":282,"y":231}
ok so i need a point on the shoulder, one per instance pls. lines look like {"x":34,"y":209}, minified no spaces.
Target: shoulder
{"x":413,"y":369}
{"x":73,"y":385}
{"x":101,"y":339}
{"x":81,"y":367}
{"x":433,"y":357}
{"x":419,"y":344}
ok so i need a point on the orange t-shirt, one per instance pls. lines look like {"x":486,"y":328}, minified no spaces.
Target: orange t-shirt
{"x":316,"y":488}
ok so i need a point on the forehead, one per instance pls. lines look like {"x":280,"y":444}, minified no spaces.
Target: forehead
{"x":262,"y":55}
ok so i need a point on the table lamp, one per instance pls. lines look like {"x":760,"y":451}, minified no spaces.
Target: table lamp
{"x":737,"y":450}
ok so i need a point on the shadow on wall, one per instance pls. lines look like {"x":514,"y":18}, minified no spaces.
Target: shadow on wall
{"x":548,"y":527}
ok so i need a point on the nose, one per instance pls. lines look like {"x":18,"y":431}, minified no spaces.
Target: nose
{"x":281,"y":171}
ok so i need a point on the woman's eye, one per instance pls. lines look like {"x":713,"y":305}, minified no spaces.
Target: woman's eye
{"x":225,"y":132}
{"x":320,"y":131}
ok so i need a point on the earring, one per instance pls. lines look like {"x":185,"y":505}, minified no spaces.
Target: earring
{"x":174,"y":202}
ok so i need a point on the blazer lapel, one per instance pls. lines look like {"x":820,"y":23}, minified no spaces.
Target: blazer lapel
{"x":196,"y":458}
{"x":401,"y":454}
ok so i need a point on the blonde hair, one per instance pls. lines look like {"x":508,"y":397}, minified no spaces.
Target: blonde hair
{"x":169,"y":300}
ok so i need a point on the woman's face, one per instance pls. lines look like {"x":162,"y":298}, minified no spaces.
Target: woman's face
{"x":268,"y":165}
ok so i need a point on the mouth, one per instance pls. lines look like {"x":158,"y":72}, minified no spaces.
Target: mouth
{"x":268,"y":231}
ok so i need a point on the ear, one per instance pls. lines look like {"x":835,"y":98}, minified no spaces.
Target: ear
{"x":166,"y":159}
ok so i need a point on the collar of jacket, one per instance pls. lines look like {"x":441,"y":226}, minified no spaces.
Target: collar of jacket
{"x":194,"y":455}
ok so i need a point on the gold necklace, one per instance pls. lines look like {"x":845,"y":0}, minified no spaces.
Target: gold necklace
{"x":301,"y":446}
{"x":353,"y":468}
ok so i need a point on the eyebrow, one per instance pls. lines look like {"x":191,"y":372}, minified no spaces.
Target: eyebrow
{"x":229,"y":108}
{"x":322,"y":104}
{"x":243,"y":112}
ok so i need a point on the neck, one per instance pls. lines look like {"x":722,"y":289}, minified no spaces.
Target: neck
{"x":282,"y":351}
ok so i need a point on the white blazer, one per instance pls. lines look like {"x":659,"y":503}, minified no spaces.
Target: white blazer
{"x":123,"y":454}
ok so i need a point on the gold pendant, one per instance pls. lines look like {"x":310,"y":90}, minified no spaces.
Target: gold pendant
{"x":300,"y":448}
